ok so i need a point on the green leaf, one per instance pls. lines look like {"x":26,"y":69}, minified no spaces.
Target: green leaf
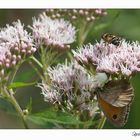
{"x":52,"y":116}
{"x":21,"y":84}
{"x":6,"y":105}
{"x":24,"y":74}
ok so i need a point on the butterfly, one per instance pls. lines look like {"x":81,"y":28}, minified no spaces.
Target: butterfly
{"x":115,"y":99}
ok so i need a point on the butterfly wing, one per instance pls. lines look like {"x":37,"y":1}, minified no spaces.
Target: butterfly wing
{"x":116,"y":115}
{"x":118,"y":93}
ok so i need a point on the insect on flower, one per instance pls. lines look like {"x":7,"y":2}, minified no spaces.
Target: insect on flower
{"x":112,"y":39}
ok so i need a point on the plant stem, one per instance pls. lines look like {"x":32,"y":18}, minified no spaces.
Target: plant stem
{"x":102,"y":122}
{"x":17,"y":107}
{"x":36,"y":61}
{"x":81,"y":32}
{"x":36,"y":69}
{"x":13,"y":74}
{"x":87,"y":30}
{"x":9,"y":93}
{"x":70,"y":56}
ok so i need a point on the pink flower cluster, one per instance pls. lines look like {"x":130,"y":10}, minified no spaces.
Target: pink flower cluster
{"x":89,"y":15}
{"x":111,"y":59}
{"x":15,"y":45}
{"x":53,"y":33}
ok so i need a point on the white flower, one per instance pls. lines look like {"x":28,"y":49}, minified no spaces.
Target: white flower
{"x":68,"y":77}
{"x":50,"y":95}
{"x":70,"y":84}
{"x":58,"y":33}
{"x":108,"y":58}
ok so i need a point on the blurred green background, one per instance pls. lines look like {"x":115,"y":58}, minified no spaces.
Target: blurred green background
{"x":121,"y":22}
